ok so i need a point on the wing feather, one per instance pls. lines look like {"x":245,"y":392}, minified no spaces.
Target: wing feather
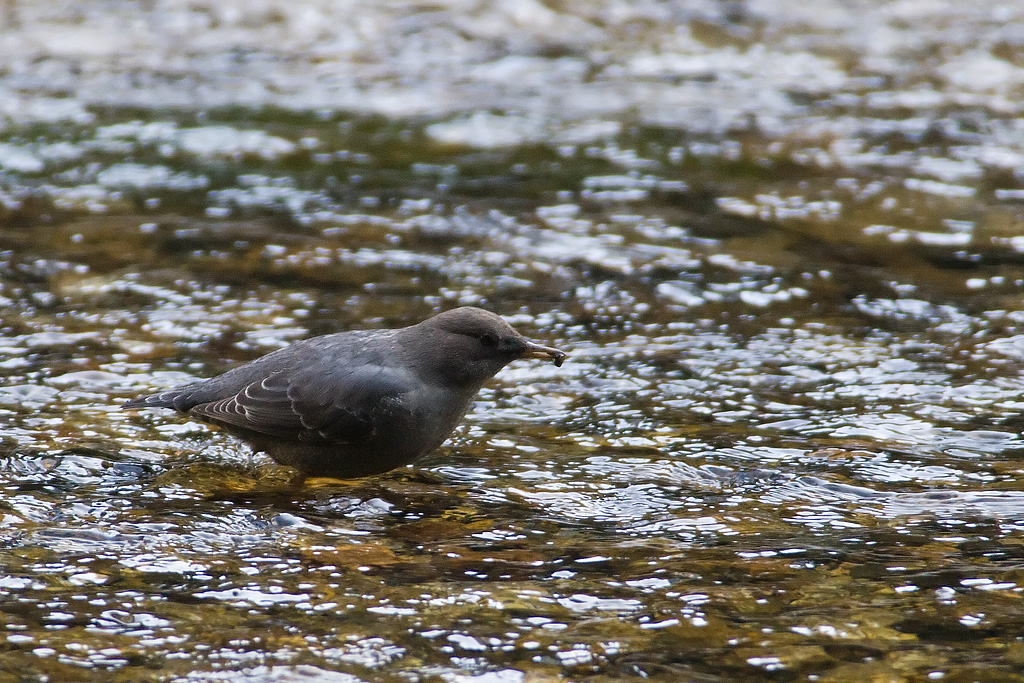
{"x":331,"y":407}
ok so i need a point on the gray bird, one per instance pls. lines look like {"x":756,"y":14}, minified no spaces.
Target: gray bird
{"x":362,"y":402}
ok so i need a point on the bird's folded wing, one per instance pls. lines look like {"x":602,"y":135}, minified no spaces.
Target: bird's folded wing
{"x":338,"y":406}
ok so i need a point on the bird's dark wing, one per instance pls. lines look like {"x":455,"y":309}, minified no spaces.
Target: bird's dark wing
{"x":328,"y":407}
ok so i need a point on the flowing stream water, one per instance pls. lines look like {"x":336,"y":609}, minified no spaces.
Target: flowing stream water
{"x":782,"y":242}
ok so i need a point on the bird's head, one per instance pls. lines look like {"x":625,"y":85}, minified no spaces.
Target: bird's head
{"x":470,"y":345}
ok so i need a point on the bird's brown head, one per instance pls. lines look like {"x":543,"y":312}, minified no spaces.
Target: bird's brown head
{"x":472,"y":344}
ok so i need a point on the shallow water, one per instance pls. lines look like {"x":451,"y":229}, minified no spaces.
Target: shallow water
{"x":782,"y":247}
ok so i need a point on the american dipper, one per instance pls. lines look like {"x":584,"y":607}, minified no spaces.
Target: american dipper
{"x":358,"y":403}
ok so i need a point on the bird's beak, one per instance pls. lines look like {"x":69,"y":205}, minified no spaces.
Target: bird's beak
{"x":534,"y":350}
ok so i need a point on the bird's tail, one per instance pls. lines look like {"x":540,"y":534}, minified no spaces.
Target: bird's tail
{"x":161,"y":400}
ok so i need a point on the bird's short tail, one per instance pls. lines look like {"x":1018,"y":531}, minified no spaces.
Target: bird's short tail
{"x":164,"y":400}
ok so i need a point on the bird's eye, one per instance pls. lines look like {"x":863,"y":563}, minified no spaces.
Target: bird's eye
{"x":488,"y":339}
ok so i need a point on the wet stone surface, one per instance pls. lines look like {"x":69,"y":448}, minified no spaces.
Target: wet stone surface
{"x":784,"y":252}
